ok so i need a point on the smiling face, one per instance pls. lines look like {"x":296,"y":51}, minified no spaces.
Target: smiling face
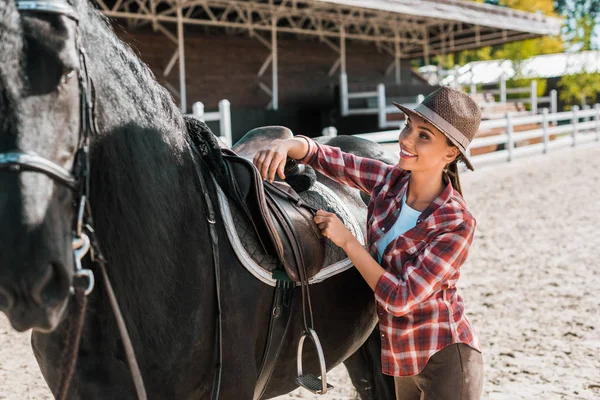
{"x":423,"y":147}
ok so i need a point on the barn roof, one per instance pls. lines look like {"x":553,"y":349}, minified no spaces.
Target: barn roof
{"x":406,"y":29}
{"x":542,"y":66}
{"x":419,"y":27}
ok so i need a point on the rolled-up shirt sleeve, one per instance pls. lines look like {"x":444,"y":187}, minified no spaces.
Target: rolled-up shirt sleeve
{"x":400,"y":290}
{"x":348,"y":169}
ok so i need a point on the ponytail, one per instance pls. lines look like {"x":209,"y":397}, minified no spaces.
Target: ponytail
{"x":450,"y":173}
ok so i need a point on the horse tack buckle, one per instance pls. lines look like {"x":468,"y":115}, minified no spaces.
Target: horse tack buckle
{"x":81,"y":246}
{"x":310,"y":381}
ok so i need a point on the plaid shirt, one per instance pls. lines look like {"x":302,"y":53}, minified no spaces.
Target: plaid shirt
{"x":420,"y":311}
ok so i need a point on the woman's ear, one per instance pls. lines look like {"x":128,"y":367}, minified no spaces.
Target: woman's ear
{"x":451,"y":154}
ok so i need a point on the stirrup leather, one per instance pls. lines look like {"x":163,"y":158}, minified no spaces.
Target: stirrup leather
{"x":310,"y":381}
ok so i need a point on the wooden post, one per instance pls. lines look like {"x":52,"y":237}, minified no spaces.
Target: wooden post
{"x":502,"y":89}
{"x":225,"y":121}
{"x":597,"y":107}
{"x":534,"y":99}
{"x":509,"y":134}
{"x":329,"y":131}
{"x":545,"y":127}
{"x":426,"y":46}
{"x":574,"y":123}
{"x":198,"y":110}
{"x":397,"y":61}
{"x":381,"y":106}
{"x":344,"y":101}
{"x":181,"y":47}
{"x":553,"y":101}
{"x":274,"y":65}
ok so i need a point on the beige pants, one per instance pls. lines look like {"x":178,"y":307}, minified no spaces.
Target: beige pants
{"x":453,"y":373}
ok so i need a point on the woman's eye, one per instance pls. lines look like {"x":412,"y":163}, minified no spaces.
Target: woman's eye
{"x":424,"y":136}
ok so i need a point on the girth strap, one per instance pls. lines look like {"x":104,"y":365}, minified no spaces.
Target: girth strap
{"x":281,"y":312}
{"x":211,"y":219}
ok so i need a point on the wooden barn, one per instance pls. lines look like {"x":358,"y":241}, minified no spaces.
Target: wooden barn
{"x":298,"y":62}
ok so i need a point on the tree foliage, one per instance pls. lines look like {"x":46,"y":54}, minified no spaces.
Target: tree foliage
{"x":579,"y":88}
{"x":582,"y":21}
{"x":516,"y":51}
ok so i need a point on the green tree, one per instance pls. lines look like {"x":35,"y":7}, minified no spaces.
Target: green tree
{"x":582,"y":20}
{"x":579,"y":88}
{"x":516,"y":51}
{"x":519,"y":51}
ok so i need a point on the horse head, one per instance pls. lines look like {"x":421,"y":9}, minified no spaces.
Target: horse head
{"x":41,"y":119}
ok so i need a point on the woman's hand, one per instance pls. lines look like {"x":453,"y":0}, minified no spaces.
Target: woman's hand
{"x":271,"y":160}
{"x":332,"y":228}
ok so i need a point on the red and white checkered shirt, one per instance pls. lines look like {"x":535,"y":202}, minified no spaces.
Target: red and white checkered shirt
{"x":420,"y":310}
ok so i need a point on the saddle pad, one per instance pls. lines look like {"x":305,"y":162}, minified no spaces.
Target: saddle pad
{"x":260,"y":264}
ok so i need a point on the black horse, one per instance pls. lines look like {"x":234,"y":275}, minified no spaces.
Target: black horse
{"x":149,"y":217}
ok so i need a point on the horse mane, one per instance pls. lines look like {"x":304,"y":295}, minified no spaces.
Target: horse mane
{"x":146,"y":200}
{"x":11,"y":44}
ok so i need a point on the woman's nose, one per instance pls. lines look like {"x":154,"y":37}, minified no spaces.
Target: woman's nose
{"x":405,"y":137}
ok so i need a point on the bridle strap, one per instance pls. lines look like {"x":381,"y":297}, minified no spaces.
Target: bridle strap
{"x":136,"y":375}
{"x":19,"y":161}
{"x":47,"y":6}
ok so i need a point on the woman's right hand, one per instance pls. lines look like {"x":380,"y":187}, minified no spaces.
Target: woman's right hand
{"x":271,"y":160}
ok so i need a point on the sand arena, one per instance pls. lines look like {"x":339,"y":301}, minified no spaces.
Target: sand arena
{"x":530,"y":284}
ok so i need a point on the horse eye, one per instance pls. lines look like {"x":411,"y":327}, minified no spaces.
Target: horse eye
{"x":66,"y":77}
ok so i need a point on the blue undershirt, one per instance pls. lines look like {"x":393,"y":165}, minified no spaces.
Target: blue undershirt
{"x":406,"y":220}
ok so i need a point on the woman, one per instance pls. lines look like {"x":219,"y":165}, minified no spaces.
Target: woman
{"x":419,"y":233}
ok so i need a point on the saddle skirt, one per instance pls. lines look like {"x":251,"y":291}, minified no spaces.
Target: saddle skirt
{"x":249,"y":250}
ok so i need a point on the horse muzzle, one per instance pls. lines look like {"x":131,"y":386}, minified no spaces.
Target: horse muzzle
{"x":41,"y":307}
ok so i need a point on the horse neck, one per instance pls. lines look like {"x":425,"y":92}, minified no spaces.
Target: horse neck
{"x":145,"y":197}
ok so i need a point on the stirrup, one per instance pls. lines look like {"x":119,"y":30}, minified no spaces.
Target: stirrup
{"x":310,"y":381}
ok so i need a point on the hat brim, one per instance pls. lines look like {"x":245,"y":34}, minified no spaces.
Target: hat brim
{"x":409,"y":112}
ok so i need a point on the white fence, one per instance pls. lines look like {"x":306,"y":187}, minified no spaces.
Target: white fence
{"x":376,"y":103}
{"x":581,"y":126}
{"x":532,"y":99}
{"x":223,"y":116}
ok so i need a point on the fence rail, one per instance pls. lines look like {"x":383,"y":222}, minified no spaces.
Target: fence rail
{"x":533,"y":99}
{"x":223,"y":116}
{"x":571,"y":127}
{"x":376,"y":103}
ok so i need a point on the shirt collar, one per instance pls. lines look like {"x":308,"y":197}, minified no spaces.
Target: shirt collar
{"x":399,"y":186}
{"x":439,"y":201}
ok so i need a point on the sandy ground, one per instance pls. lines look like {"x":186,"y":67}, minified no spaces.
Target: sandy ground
{"x":530,"y":284}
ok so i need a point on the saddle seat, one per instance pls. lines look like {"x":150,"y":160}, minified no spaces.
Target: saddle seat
{"x":282,"y":221}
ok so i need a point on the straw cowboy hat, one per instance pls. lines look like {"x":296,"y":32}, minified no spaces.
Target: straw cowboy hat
{"x":454,"y":113}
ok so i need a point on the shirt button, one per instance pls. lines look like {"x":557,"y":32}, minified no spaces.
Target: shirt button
{"x":383,"y":229}
{"x":382,"y":335}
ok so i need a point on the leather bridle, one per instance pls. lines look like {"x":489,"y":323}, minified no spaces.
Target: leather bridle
{"x":84,"y":238}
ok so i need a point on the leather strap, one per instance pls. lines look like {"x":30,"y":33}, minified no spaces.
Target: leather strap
{"x":136,"y":375}
{"x":210,"y":217}
{"x":283,"y":308}
{"x":307,"y":313}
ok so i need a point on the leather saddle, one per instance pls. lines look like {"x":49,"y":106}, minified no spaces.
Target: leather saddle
{"x":282,"y":220}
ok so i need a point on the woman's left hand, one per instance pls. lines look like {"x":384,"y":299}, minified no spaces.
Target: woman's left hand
{"x":332,"y":228}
